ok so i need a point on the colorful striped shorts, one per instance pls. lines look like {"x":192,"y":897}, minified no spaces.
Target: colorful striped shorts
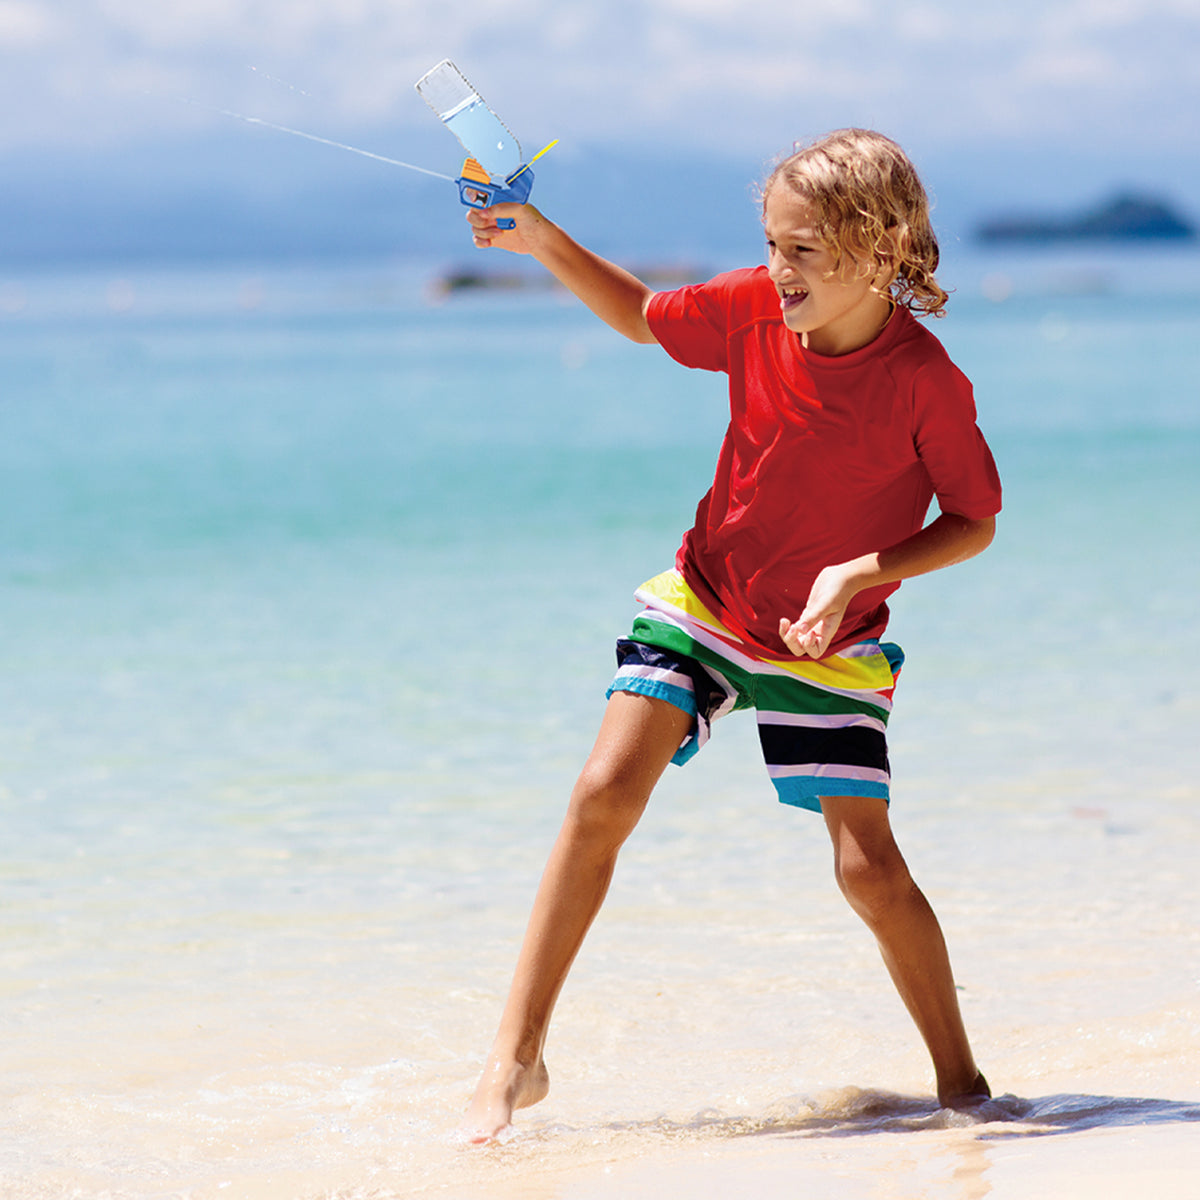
{"x":822,"y":724}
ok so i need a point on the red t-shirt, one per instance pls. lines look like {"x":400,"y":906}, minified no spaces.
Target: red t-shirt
{"x":824,"y":459}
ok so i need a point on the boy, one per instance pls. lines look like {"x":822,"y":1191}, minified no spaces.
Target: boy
{"x":847,"y":417}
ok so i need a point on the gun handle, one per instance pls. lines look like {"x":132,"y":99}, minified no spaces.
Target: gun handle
{"x":475,"y":193}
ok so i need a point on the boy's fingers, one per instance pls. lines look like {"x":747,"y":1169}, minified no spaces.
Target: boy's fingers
{"x":797,"y":637}
{"x":809,"y":637}
{"x":483,"y":226}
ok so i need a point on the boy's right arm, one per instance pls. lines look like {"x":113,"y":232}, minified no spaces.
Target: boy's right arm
{"x":612,"y":293}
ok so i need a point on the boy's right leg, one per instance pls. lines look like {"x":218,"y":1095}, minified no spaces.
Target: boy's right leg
{"x":637,"y":739}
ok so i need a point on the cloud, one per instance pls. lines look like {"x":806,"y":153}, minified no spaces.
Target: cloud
{"x":24,"y":25}
{"x":706,"y":73}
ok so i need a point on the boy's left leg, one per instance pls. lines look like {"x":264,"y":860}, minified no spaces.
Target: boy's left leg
{"x":874,"y":878}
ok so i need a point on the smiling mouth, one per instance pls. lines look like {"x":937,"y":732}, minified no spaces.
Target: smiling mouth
{"x":790,"y":297}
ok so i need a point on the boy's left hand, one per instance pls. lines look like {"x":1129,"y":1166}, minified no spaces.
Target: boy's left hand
{"x":813,"y":633}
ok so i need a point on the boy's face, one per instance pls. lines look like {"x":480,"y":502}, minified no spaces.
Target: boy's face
{"x":833,"y":314}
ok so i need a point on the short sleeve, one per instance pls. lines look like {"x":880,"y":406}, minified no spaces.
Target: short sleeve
{"x":692,"y":324}
{"x":951,"y":445}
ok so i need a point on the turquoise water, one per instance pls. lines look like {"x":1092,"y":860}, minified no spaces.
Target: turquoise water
{"x":307,"y":594}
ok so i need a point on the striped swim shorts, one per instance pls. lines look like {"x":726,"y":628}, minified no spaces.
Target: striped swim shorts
{"x":822,"y":724}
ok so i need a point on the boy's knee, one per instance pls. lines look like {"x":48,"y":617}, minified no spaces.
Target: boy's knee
{"x":605,"y":805}
{"x":872,"y":883}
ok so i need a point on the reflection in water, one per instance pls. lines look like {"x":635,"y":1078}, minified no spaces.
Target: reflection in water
{"x":969,"y":1176}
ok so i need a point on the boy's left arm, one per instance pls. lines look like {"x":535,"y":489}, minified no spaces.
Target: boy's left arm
{"x":944,"y":541}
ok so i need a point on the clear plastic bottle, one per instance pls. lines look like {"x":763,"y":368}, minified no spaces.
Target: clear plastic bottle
{"x":483,"y":135}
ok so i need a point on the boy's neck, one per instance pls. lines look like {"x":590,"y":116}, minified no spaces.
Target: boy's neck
{"x":831,"y":342}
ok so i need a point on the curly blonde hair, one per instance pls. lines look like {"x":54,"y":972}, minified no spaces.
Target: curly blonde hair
{"x":870,"y":206}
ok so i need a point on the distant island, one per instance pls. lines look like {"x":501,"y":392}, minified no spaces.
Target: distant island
{"x":661,"y":275}
{"x":1127,"y":216}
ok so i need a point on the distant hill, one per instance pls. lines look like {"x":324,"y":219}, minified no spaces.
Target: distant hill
{"x":1127,"y":216}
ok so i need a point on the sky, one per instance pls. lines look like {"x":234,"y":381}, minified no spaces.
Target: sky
{"x":1053,"y":99}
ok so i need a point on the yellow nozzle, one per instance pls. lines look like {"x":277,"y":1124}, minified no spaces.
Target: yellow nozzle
{"x":541,"y":152}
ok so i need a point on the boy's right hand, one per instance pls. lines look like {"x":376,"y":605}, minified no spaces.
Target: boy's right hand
{"x":487,"y":233}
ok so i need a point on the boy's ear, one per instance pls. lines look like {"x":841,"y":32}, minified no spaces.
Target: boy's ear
{"x":899,"y":239}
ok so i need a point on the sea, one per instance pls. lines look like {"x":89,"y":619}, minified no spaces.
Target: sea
{"x":309,"y":579}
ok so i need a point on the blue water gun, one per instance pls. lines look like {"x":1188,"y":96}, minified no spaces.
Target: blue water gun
{"x":493,"y":172}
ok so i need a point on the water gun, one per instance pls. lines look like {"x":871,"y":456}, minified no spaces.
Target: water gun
{"x":493,"y":172}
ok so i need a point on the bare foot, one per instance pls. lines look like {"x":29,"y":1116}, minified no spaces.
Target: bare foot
{"x":971,"y":1097}
{"x":503,"y":1087}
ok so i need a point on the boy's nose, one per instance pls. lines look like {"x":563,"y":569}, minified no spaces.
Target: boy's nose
{"x":778,"y":270}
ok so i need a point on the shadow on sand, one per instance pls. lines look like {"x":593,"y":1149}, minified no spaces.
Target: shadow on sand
{"x":854,"y":1112}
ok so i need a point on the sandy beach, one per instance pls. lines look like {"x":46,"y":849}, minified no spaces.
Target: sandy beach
{"x":268,"y":858}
